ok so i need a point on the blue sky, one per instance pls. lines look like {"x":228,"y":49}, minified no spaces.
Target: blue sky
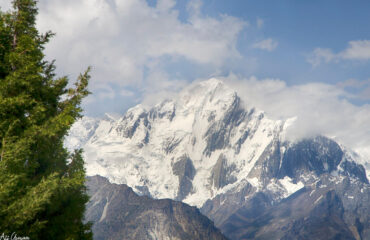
{"x":299,"y":27}
{"x":298,"y":42}
{"x":309,"y":59}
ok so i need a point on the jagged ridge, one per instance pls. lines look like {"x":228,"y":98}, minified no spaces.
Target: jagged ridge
{"x":118,"y":213}
{"x":207,"y":149}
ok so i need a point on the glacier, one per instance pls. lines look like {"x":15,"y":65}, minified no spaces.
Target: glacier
{"x":200,"y":144}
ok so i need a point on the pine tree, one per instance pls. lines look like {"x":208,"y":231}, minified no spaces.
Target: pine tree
{"x":42,"y":192}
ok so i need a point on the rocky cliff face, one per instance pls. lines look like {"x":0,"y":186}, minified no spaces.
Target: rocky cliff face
{"x":119,"y":213}
{"x":329,"y":208}
{"x":312,"y":194}
{"x":207,"y":149}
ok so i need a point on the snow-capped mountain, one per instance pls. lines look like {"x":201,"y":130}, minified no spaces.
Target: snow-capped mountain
{"x":207,"y":149}
{"x":190,"y":148}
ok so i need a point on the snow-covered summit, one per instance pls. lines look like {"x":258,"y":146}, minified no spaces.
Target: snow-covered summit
{"x":193,"y":147}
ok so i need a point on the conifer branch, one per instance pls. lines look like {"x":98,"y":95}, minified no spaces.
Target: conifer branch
{"x":2,"y":148}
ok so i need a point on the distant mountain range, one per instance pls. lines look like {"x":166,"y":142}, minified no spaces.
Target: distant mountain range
{"x":206,"y":149}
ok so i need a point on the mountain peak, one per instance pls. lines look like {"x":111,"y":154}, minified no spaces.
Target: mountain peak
{"x":212,"y":83}
{"x":209,"y":95}
{"x":198,"y":145}
{"x":205,"y":148}
{"x":210,"y":86}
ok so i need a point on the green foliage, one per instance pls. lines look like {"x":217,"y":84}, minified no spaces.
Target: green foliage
{"x":42,"y":192}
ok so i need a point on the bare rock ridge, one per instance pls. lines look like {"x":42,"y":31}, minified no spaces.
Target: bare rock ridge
{"x":184,"y":169}
{"x":221,"y":173}
{"x":333,"y":201}
{"x":206,"y":148}
{"x":323,"y":210}
{"x":119,"y":213}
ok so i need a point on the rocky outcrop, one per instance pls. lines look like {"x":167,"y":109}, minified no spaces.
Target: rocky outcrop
{"x":184,"y":169}
{"x":221,"y":173}
{"x":329,"y":208}
{"x":219,"y":132}
{"x":220,"y":208}
{"x":268,"y":164}
{"x":316,"y":155}
{"x":118,"y":213}
{"x":333,"y":204}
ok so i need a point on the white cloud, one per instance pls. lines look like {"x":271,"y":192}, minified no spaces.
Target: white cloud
{"x":194,"y":7}
{"x":5,"y":5}
{"x":361,"y":88}
{"x":266,"y":44}
{"x":106,"y":92}
{"x":320,"y":109}
{"x":122,"y":38}
{"x":126,"y":93}
{"x":356,"y":50}
{"x":320,"y":55}
{"x":359,"y":50}
{"x":354,"y":83}
{"x":161,"y":87}
{"x":165,"y":5}
{"x":260,"y":22}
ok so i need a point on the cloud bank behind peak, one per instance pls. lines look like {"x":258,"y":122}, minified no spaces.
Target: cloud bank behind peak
{"x":320,"y":108}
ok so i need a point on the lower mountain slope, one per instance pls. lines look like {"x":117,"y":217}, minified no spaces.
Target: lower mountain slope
{"x":207,"y":148}
{"x":119,"y":213}
{"x":330,"y":208}
{"x":317,"y":192}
